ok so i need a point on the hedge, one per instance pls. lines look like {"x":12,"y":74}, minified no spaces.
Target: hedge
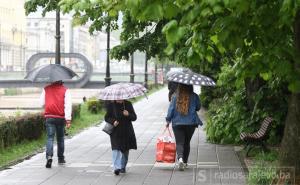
{"x":14,"y":130}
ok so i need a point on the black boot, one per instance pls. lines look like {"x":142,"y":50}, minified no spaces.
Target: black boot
{"x":61,"y":161}
{"x":49,"y":163}
{"x":117,"y":171}
{"x":123,"y":170}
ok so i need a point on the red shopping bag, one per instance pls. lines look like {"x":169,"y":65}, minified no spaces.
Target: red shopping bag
{"x":165,"y":148}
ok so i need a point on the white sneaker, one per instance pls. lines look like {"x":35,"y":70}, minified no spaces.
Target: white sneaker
{"x":180,"y":164}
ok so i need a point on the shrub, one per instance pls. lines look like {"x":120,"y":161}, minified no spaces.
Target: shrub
{"x":95,"y":105}
{"x":28,"y":127}
{"x":228,"y":117}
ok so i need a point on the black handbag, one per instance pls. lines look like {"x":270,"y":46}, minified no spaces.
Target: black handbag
{"x":108,"y":128}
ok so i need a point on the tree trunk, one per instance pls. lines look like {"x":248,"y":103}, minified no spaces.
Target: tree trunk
{"x":290,"y":146}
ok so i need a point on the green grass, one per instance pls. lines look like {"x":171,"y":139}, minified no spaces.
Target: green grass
{"x":264,"y":169}
{"x":86,"y":119}
{"x":15,"y":153}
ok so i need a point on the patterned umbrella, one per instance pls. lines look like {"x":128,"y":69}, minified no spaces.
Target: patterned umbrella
{"x":191,"y":78}
{"x":122,"y":91}
{"x":177,"y":70}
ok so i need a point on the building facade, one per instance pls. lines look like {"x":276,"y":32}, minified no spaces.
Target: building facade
{"x":12,"y":34}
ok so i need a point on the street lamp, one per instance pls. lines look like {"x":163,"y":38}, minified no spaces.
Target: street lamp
{"x":132,"y":68}
{"x":146,"y":70}
{"x":146,"y":63}
{"x":107,"y":74}
{"x":57,"y":37}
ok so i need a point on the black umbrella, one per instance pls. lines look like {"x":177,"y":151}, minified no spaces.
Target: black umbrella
{"x":191,"y":78}
{"x":50,"y":73}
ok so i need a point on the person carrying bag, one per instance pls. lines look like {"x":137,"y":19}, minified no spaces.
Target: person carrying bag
{"x":120,"y":114}
{"x":182,"y":114}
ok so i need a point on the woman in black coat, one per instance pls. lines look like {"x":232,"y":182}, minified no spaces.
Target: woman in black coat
{"x":120,"y":113}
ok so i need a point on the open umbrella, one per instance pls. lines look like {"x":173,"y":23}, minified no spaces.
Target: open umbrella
{"x":50,"y":73}
{"x":177,"y":70}
{"x":191,"y":78}
{"x":122,"y":91}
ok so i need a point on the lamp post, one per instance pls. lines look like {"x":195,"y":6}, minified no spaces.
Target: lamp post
{"x":132,"y":68}
{"x":146,"y":70}
{"x":146,"y":64}
{"x":107,"y":74}
{"x":57,"y":37}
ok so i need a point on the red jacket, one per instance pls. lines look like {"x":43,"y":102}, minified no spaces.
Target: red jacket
{"x":55,"y":101}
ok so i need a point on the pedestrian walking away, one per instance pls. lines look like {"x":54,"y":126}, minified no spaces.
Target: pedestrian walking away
{"x":182,"y":113}
{"x":120,"y":113}
{"x":56,"y":100}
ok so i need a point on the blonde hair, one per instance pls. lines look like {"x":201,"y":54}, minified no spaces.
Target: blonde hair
{"x":183,"y":98}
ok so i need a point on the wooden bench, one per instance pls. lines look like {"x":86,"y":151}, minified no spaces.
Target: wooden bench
{"x":257,"y":138}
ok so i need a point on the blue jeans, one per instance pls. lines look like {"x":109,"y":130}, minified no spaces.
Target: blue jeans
{"x":120,"y":159}
{"x":55,"y":125}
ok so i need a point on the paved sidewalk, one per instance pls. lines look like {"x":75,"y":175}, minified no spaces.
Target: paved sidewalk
{"x":88,"y":157}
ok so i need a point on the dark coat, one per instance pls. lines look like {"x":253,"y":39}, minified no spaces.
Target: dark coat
{"x":123,"y":136}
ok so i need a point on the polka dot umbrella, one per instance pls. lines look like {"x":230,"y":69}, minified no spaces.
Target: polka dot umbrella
{"x":191,"y":78}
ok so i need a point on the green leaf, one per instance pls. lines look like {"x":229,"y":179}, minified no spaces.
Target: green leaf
{"x":171,"y":10}
{"x":294,"y":86}
{"x":169,"y":50}
{"x":265,"y":76}
{"x":209,"y":58}
{"x":132,"y":3}
{"x":153,"y":11}
{"x":190,"y":52}
{"x":170,"y":25}
{"x":205,"y":12}
{"x":215,"y":39}
{"x":217,"y":9}
{"x":191,"y":16}
{"x":243,"y":6}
